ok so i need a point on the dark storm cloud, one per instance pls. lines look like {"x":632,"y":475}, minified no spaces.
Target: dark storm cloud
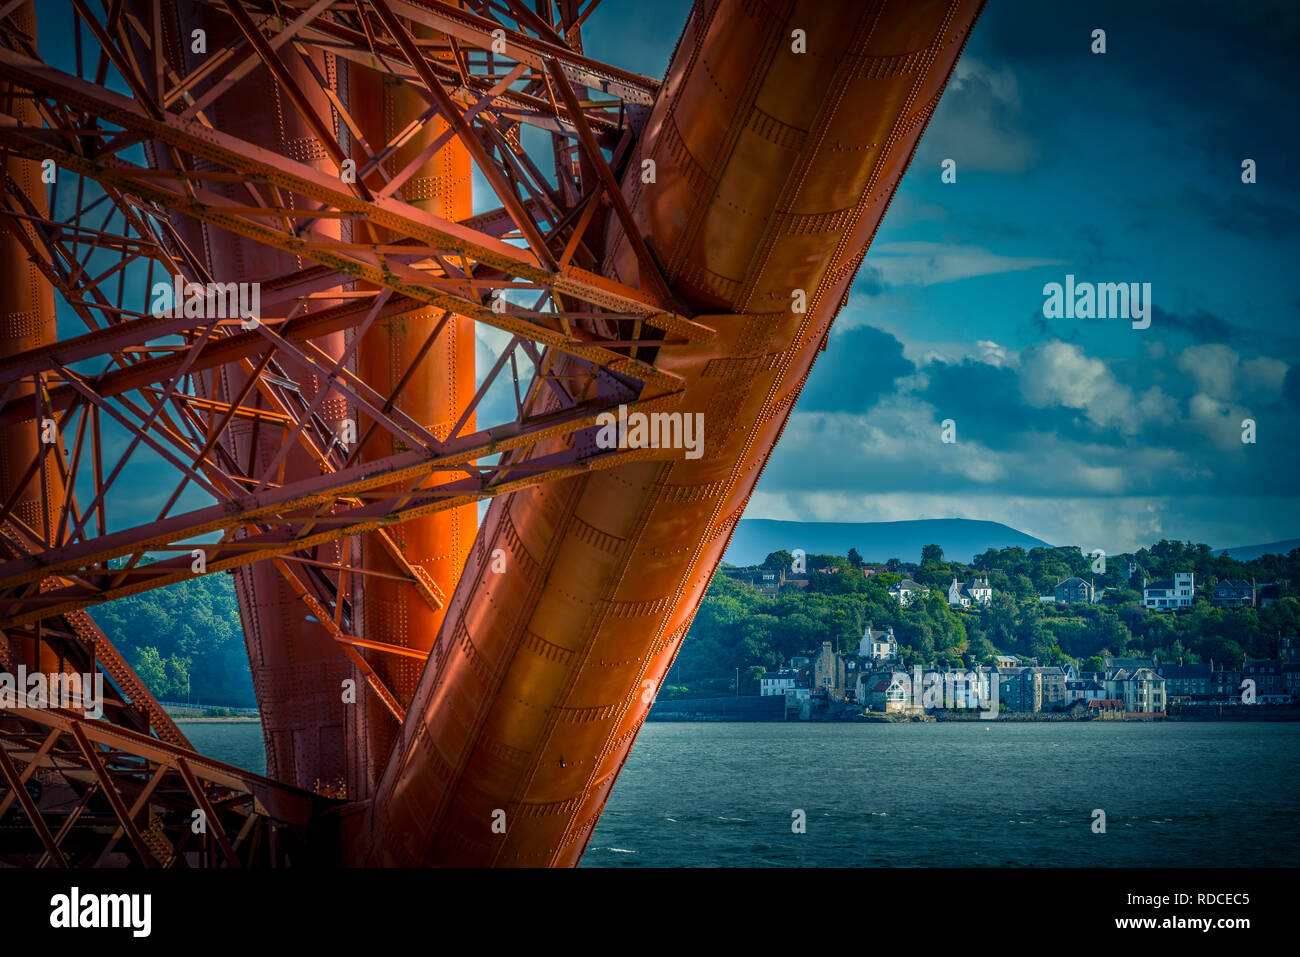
{"x":1200,"y":326}
{"x":869,"y":282}
{"x":1246,"y":36}
{"x":1291,"y":388}
{"x":861,"y":364}
{"x":1232,"y":213}
{"x":993,"y":412}
{"x":1042,"y":328}
{"x":1235,"y":62}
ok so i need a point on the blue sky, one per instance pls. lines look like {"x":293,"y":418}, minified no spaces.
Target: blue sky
{"x":1122,"y":167}
{"x":1115,"y":167}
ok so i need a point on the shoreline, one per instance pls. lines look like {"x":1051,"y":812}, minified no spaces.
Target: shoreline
{"x":1013,"y":718}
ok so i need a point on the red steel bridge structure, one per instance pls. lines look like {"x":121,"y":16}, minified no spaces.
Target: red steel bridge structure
{"x":434,"y":689}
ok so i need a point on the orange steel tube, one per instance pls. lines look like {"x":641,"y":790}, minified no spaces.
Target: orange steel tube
{"x":774,"y":169}
{"x":434,"y":393}
{"x":27,"y":321}
{"x":313,"y":739}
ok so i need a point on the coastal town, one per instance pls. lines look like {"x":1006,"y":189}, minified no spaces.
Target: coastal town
{"x":879,"y":678}
{"x":1141,"y":688}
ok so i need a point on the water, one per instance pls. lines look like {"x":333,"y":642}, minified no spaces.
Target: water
{"x":1175,"y":794}
{"x":1190,"y":794}
{"x":237,"y":743}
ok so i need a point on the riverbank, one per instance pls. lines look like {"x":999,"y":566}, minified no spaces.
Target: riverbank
{"x":775,"y":708}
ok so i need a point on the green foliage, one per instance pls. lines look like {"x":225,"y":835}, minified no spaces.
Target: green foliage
{"x":189,"y":633}
{"x":190,"y":630}
{"x":148,"y":665}
{"x":737,"y":627}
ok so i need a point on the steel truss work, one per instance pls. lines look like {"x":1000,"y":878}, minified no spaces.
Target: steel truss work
{"x":107,"y":230}
{"x":152,"y":789}
{"x":453,"y":266}
{"x":254,"y":323}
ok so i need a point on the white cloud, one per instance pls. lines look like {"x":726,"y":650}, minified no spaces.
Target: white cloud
{"x":978,"y":121}
{"x":1156,"y":406}
{"x":1264,"y":377}
{"x":1212,"y":367}
{"x":1059,"y":373}
{"x":1219,"y":372}
{"x":1219,"y":420}
{"x":927,"y":263}
{"x":993,"y":354}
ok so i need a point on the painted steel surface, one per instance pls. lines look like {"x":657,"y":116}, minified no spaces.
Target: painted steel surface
{"x":773,"y":172}
{"x":499,"y":681}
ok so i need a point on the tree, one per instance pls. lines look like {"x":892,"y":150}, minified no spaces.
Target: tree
{"x":149,"y":666}
{"x":178,"y":676}
{"x":781,"y":559}
{"x":931,"y":555}
{"x":854,"y":558}
{"x":980,"y":649}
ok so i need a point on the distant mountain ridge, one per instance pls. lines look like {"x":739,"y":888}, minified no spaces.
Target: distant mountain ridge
{"x":961,"y":538}
{"x":1244,"y":553}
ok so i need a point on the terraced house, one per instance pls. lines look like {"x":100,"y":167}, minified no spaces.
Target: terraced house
{"x":1141,"y":690}
{"x":1034,"y":688}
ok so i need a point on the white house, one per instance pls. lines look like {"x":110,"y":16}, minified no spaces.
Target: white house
{"x":878,"y":645}
{"x":969,"y":593}
{"x":777,"y":682}
{"x":906,"y":590}
{"x":1179,"y":593}
{"x":1084,"y":690}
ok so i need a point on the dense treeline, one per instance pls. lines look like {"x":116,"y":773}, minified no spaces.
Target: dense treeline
{"x":186,"y":635}
{"x":738,"y":628}
{"x":189,"y":634}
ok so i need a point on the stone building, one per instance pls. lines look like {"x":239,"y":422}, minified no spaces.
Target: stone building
{"x":828,"y":671}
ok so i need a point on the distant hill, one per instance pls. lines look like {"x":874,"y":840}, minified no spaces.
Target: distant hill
{"x":962,"y":539}
{"x":1244,"y":553}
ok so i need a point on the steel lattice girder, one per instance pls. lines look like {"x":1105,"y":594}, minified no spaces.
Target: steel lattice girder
{"x":127,"y":784}
{"x":452,"y":265}
{"x":650,"y":534}
{"x":386,"y":263}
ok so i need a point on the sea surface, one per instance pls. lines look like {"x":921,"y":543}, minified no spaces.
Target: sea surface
{"x":935,"y":795}
{"x":237,"y":743}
